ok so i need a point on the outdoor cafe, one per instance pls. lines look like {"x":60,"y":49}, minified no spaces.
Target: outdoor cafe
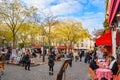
{"x":104,"y":70}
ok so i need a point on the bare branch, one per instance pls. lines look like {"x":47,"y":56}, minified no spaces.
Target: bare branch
{"x":20,"y":24}
{"x":8,"y":25}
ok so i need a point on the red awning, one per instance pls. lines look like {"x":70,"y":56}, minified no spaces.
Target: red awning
{"x":105,"y":39}
{"x":113,"y":10}
{"x":37,"y":47}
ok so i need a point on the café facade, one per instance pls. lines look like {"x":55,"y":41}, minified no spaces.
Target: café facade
{"x":113,"y":16}
{"x":111,"y":37}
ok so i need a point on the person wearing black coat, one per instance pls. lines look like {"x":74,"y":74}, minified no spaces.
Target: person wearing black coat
{"x":88,"y":57}
{"x":27,"y":60}
{"x":113,"y":65}
{"x":8,"y":57}
{"x":93,"y":65}
{"x":81,"y":55}
{"x":70,"y":56}
{"x":51,"y":59}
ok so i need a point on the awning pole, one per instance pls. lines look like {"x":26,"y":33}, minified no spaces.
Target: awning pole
{"x":114,"y":43}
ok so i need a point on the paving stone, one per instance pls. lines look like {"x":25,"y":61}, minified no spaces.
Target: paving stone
{"x":77,"y":72}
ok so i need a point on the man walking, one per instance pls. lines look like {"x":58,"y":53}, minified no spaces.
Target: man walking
{"x":51,"y":59}
{"x":27,"y":60}
{"x":70,"y":56}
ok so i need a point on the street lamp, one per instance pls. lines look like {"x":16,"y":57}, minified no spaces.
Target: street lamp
{"x":42,"y":49}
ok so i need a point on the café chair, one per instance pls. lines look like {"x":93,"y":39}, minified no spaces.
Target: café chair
{"x":91,"y":74}
{"x":116,"y":77}
{"x":63,"y":68}
{"x":2,"y":63}
{"x":118,"y":70}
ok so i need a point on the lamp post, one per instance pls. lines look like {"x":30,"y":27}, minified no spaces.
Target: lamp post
{"x":42,"y":49}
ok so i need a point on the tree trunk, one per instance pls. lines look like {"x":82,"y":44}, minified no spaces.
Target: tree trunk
{"x":49,"y":38}
{"x":14,"y":39}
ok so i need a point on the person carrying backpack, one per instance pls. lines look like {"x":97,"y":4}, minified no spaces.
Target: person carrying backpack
{"x":27,"y":60}
{"x":51,"y":59}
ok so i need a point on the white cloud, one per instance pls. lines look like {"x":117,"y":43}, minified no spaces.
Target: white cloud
{"x":40,"y":4}
{"x":63,"y":7}
{"x":92,"y":20}
{"x":66,"y":8}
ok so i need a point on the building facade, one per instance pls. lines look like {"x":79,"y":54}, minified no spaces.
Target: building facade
{"x":85,"y":44}
{"x":113,"y":17}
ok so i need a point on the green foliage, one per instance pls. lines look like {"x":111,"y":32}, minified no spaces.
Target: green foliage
{"x":24,"y":25}
{"x":105,"y":24}
{"x":4,"y":31}
{"x":21,"y":45}
{"x":70,"y":31}
{"x":13,"y":14}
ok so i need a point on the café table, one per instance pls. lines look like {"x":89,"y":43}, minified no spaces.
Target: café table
{"x":103,"y":73}
{"x":105,"y":64}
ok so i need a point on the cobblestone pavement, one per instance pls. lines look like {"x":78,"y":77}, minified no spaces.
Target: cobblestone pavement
{"x":77,"y":72}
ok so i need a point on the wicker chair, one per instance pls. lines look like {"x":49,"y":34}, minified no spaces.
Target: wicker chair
{"x":117,"y":76}
{"x":91,"y":73}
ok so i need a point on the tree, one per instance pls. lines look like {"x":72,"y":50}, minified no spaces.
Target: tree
{"x":13,"y":14}
{"x":23,"y":33}
{"x":71,"y":31}
{"x":4,"y":31}
{"x":105,"y":24}
{"x":36,"y":25}
{"x":49,"y":21}
{"x":34,"y":32}
{"x":28,"y":33}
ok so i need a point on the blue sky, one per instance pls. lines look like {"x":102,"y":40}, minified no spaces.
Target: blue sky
{"x":89,"y":12}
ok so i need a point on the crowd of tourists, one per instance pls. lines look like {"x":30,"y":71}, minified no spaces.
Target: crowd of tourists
{"x":91,"y":57}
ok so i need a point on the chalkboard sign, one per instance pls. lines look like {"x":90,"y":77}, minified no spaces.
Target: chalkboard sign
{"x":62,"y":70}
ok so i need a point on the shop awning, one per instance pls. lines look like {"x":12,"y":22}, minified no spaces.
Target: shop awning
{"x":47,"y":47}
{"x":105,"y":39}
{"x":37,"y":47}
{"x":113,"y":10}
